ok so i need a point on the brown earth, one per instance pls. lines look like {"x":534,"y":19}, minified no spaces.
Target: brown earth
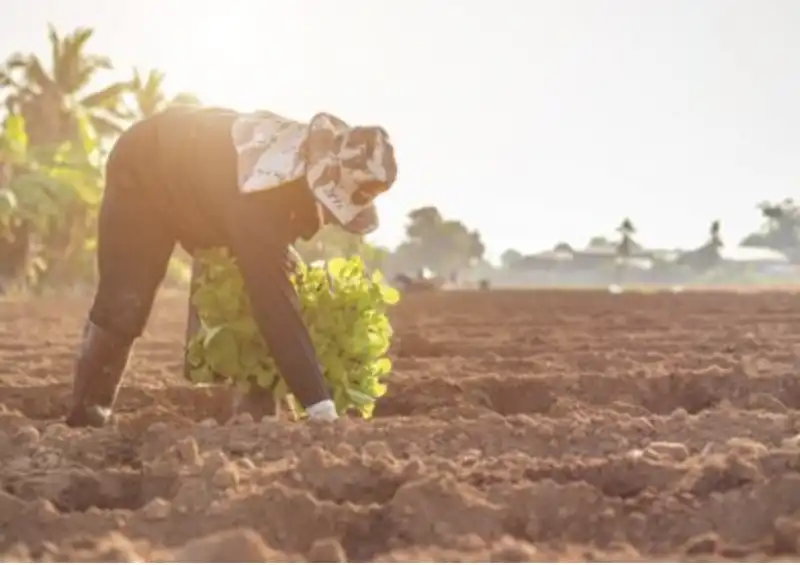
{"x":520,"y":426}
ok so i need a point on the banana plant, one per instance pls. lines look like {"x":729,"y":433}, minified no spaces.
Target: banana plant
{"x":48,"y":202}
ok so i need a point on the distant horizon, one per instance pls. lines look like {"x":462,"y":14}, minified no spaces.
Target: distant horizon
{"x":534,"y":122}
{"x":612,"y":236}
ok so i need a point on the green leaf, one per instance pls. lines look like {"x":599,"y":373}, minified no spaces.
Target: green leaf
{"x":382,"y":366}
{"x":250,"y":355}
{"x":358,"y":397}
{"x":210,"y":333}
{"x":194,"y":352}
{"x":389,"y":295}
{"x":109,"y":96}
{"x":15,"y":139}
{"x":280,"y":391}
{"x":222,"y":353}
{"x":346,"y":322}
{"x":202,"y":374}
{"x":264,"y":377}
{"x":86,"y":132}
{"x":335,"y":266}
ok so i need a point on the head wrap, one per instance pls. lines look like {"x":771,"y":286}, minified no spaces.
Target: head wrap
{"x":345,"y":167}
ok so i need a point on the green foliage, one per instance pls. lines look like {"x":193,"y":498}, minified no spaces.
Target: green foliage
{"x":343,"y":308}
{"x":49,"y":195}
{"x":56,"y":131}
{"x":50,"y":92}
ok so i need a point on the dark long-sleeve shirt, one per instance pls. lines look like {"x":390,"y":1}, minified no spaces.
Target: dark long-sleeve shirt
{"x":190,"y":174}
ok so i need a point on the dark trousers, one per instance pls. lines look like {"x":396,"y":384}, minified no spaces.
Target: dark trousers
{"x":134,"y":247}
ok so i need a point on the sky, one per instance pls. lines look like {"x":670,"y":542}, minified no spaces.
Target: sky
{"x":534,"y":121}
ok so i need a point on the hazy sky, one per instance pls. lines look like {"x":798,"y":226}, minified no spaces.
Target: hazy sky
{"x":535,"y":121}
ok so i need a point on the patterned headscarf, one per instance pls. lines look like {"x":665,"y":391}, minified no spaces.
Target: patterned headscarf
{"x":345,"y":167}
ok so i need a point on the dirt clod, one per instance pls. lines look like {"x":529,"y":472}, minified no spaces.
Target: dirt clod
{"x":233,"y":546}
{"x":327,"y":550}
{"x":156,"y":509}
{"x":787,"y":535}
{"x":226,"y":476}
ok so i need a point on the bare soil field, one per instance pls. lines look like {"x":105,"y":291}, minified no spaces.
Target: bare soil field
{"x":519,"y":426}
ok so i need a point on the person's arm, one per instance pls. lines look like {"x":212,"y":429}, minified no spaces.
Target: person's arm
{"x":262,"y":255}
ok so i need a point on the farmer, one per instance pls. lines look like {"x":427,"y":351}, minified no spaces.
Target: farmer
{"x":206,"y":177}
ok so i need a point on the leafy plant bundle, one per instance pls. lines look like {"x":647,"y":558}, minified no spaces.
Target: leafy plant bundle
{"x":343,"y":308}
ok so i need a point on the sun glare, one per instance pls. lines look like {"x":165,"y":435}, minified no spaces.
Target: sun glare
{"x":245,"y":59}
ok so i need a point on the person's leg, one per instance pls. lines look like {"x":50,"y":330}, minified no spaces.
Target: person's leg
{"x":133,"y":251}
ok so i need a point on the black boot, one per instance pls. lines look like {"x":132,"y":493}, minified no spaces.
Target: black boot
{"x":98,"y":373}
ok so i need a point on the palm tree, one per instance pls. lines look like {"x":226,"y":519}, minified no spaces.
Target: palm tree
{"x":626,"y":244}
{"x":51,"y":95}
{"x":148,"y":95}
{"x":625,"y":249}
{"x":55,"y":99}
{"x":715,"y":237}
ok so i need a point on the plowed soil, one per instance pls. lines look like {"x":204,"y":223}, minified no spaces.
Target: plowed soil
{"x":520,"y":426}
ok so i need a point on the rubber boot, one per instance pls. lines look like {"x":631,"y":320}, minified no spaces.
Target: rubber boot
{"x":98,"y":374}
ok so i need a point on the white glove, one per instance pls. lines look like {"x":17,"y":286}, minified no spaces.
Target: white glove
{"x":324,"y":411}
